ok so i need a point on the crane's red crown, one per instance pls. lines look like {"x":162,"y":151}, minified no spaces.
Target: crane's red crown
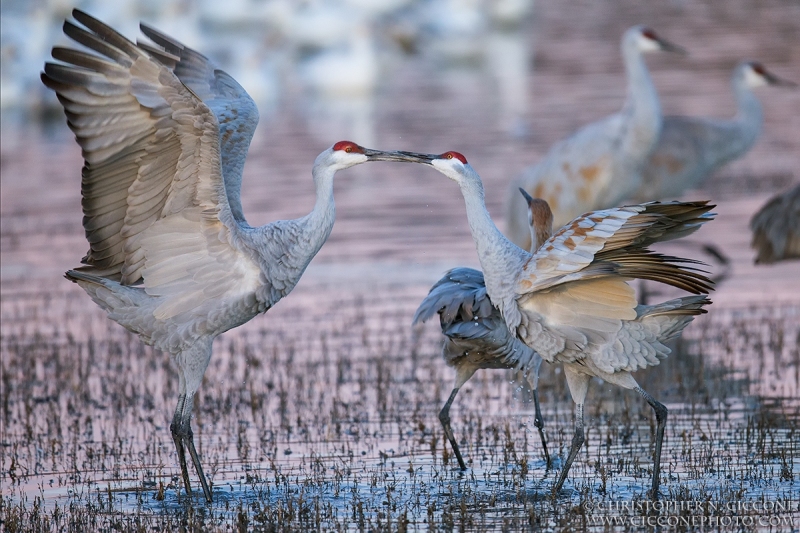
{"x":453,"y":155}
{"x":758,"y":68}
{"x":650,"y":34}
{"x":349,"y":147}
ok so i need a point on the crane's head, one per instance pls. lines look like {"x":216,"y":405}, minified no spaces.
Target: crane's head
{"x":647,"y":40}
{"x":345,"y":154}
{"x":540,"y":219}
{"x":452,"y":164}
{"x":753,"y":74}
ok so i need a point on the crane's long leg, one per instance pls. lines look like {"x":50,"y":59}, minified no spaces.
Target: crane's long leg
{"x":192,"y":364}
{"x":661,"y":422}
{"x":578,"y":386}
{"x":538,"y":421}
{"x":183,"y":436}
{"x":533,"y":380}
{"x":174,"y":428}
{"x":577,"y":442}
{"x":444,"y":418}
{"x":463,"y":373}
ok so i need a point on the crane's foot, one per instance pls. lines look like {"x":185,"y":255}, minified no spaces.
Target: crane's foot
{"x":661,"y":423}
{"x":577,"y":442}
{"x":548,"y":462}
{"x":184,"y":439}
{"x":178,"y":440}
{"x":448,"y":431}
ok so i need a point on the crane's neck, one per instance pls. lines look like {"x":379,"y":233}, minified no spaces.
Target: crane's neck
{"x":501,"y":260}
{"x":232,"y":175}
{"x":642,"y":110}
{"x":748,"y":120}
{"x":284,"y":248}
{"x":539,"y":234}
{"x":318,"y":224}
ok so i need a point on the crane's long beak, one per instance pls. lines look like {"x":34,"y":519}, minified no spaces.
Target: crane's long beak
{"x":407,"y":157}
{"x":416,"y":157}
{"x":671,"y":47}
{"x":772,"y":79}
{"x":527,"y":196}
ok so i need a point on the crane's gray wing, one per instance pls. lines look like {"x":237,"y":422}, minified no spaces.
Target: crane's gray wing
{"x":460,"y":295}
{"x":713,"y":142}
{"x":688,"y":151}
{"x":491,"y":331}
{"x":613,"y":242}
{"x":573,"y":291}
{"x":776,"y":228}
{"x":153,"y":197}
{"x":236,"y":112}
{"x":470,"y":322}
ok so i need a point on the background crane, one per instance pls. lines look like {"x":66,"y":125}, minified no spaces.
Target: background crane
{"x":690,"y":149}
{"x":776,"y":228}
{"x":600,"y":164}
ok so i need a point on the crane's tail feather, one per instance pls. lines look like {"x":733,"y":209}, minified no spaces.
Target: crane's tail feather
{"x":645,"y":264}
{"x":108,"y":294}
{"x":657,"y":222}
{"x":129,"y":306}
{"x":460,"y":295}
{"x":674,"y":315}
{"x":641,"y":342}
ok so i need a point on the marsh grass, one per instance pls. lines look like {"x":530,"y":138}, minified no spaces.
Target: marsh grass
{"x":324,"y":418}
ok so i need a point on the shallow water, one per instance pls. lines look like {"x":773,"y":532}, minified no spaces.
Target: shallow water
{"x":322,"y":413}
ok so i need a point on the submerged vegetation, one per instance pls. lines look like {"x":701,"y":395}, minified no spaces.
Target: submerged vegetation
{"x":337,"y":429}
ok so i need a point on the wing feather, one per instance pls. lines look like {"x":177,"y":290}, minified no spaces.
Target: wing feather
{"x":235,"y":111}
{"x":459,"y":296}
{"x":573,"y":293}
{"x":613,"y":242}
{"x":154,"y":200}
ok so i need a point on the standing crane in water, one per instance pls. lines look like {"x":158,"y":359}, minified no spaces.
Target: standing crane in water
{"x":599,"y":165}
{"x":164,"y":135}
{"x":476,"y":336}
{"x":570,"y":301}
{"x":690,"y":149}
{"x":776,"y":228}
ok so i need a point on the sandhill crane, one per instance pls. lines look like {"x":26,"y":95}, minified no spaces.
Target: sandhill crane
{"x":690,"y":149}
{"x":599,"y":165}
{"x":476,"y":336}
{"x":164,"y":137}
{"x":776,"y":228}
{"x":570,"y":301}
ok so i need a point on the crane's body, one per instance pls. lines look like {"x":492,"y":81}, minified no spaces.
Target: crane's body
{"x":570,"y":301}
{"x":690,"y":149}
{"x":601,"y":163}
{"x":164,"y":135}
{"x":475,"y":334}
{"x":776,"y":228}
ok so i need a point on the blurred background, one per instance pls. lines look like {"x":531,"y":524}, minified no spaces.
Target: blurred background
{"x":498,"y":80}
